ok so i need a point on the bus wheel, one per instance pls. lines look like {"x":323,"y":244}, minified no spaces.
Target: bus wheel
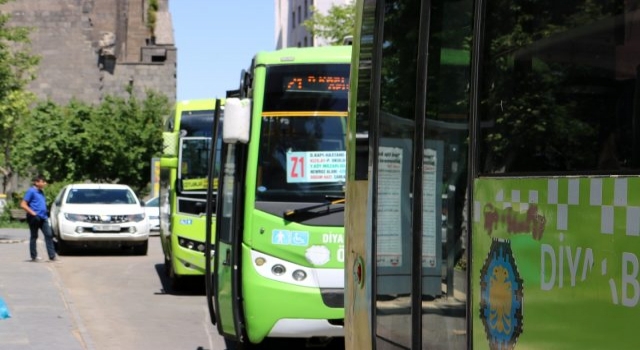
{"x":167,"y":266}
{"x":174,"y":280}
{"x":232,"y":344}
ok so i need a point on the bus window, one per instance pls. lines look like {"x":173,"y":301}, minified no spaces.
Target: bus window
{"x":302,"y":157}
{"x":567,"y":86}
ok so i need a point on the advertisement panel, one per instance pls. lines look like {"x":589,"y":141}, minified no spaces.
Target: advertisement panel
{"x":556,"y":263}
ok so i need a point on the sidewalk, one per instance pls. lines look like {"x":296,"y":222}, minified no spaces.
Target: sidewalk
{"x":42,"y":316}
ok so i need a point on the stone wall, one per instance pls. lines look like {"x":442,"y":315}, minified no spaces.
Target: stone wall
{"x":93,"y":48}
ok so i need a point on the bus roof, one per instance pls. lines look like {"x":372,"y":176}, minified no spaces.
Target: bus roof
{"x":195,"y":105}
{"x":173,"y":123}
{"x":324,"y":54}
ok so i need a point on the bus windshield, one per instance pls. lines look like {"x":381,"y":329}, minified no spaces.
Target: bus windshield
{"x":302,"y":139}
{"x":196,"y":123}
{"x":196,"y":129}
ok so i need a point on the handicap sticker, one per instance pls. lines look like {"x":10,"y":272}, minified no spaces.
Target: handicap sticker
{"x":185,"y":222}
{"x":300,"y":238}
{"x":286,"y":237}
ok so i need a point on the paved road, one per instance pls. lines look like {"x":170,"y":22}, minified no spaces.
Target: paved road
{"x":103,"y":299}
{"x":125,"y":301}
{"x":98,"y":300}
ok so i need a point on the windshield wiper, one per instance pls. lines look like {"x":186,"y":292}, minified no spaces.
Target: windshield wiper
{"x":332,"y":200}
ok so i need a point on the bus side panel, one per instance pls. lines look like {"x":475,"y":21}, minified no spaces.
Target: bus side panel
{"x":556,"y":263}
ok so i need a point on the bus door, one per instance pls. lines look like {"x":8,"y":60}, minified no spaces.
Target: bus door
{"x":226,"y":277}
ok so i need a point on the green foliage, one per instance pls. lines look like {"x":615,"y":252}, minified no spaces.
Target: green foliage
{"x":152,"y":13}
{"x":52,"y":190}
{"x":337,"y":24}
{"x":7,"y":222}
{"x":17,"y":69}
{"x":111,"y":142}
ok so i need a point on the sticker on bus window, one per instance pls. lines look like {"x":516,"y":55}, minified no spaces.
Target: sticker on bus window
{"x":286,"y":237}
{"x":197,"y":184}
{"x":325,"y":166}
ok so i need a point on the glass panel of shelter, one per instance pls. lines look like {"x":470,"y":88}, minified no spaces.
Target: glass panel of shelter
{"x":444,"y":178}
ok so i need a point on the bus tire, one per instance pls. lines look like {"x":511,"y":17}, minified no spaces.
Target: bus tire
{"x":167,"y":266}
{"x":232,"y":344}
{"x":174,"y":280}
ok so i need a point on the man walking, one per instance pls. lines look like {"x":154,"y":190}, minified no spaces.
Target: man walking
{"x":35,"y":204}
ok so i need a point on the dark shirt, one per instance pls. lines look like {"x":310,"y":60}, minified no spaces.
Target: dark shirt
{"x":37,"y":202}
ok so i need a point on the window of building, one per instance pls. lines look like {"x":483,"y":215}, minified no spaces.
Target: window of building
{"x":306,"y":9}
{"x":293,"y":19}
{"x":299,"y":14}
{"x":305,"y":41}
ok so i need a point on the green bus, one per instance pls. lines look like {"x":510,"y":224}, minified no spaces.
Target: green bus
{"x":493,"y":188}
{"x":278,"y":270}
{"x":183,"y":187}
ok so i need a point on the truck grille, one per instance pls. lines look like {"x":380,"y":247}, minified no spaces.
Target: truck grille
{"x":107,"y":218}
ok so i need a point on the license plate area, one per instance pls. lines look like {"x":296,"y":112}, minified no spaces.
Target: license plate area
{"x":106,"y":228}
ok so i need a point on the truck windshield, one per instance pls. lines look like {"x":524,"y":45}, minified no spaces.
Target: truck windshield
{"x":302,"y":134}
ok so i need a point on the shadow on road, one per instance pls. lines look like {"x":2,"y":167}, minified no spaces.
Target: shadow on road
{"x":99,"y":249}
{"x":189,"y":285}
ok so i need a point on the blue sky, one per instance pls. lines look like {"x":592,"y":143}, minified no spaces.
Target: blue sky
{"x":216,"y":40}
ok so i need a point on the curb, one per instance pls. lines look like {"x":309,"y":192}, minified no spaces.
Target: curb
{"x":83,"y":337}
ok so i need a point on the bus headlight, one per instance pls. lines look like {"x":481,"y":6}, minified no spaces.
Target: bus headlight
{"x":299,"y":275}
{"x":278,"y":270}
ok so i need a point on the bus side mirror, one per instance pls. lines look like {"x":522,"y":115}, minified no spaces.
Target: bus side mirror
{"x":169,"y":143}
{"x":236,"y":126}
{"x":169,"y":162}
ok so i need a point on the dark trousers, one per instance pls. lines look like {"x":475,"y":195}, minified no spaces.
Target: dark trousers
{"x":36,"y":224}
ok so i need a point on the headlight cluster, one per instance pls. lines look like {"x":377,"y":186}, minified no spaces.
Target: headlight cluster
{"x":108,"y":219}
{"x":75,"y":217}
{"x":136,"y":217}
{"x":191,"y":244}
{"x":281,"y":270}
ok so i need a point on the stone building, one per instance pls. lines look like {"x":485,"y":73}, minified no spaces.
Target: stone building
{"x":93,"y":48}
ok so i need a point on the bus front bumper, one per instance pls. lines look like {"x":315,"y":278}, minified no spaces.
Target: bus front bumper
{"x":275,"y":308}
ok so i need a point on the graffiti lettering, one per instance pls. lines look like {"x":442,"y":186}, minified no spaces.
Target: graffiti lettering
{"x":490,"y":218}
{"x":516,"y":223}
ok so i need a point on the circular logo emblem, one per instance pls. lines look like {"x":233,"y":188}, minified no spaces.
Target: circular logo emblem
{"x":501,"y":297}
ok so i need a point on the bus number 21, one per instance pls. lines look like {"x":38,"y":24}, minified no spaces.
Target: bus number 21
{"x":297,"y":167}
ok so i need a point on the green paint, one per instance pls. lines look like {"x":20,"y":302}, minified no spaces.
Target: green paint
{"x":579,"y":269}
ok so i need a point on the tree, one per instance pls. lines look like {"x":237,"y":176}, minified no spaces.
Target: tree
{"x":17,"y":69}
{"x":337,"y":24}
{"x":110,"y":142}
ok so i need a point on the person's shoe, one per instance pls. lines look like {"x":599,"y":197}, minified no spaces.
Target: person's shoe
{"x":36,"y":259}
{"x":54,"y":259}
